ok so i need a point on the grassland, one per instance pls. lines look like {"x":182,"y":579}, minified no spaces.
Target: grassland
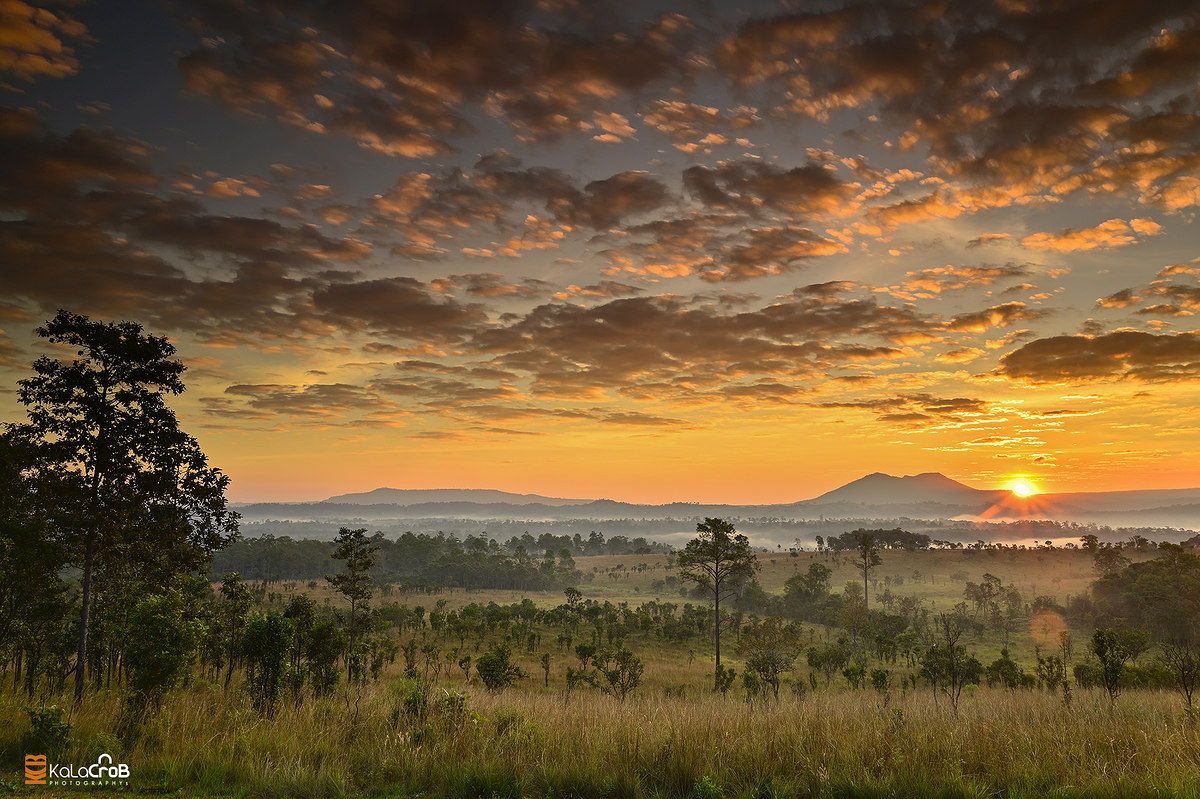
{"x":398,"y":737}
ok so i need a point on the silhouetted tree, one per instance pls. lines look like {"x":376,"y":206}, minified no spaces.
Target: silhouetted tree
{"x":117,"y":480}
{"x":35,"y":603}
{"x":719,"y":561}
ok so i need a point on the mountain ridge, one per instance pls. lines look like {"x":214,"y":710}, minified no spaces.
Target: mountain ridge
{"x":420,"y":496}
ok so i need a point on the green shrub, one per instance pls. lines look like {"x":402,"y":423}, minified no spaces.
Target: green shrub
{"x":48,"y":733}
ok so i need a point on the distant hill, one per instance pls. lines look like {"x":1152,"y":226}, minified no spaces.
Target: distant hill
{"x":917,"y":489}
{"x":876,"y":496}
{"x":417,"y":496}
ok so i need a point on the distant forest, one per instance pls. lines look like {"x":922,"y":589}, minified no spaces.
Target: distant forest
{"x":779,"y":532}
{"x":421,"y":561}
{"x":418,"y":560}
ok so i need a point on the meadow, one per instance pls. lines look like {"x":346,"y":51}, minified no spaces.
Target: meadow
{"x":671,"y":737}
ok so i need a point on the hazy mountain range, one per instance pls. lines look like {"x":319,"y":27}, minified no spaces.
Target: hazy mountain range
{"x":416,"y":496}
{"x":875,"y":496}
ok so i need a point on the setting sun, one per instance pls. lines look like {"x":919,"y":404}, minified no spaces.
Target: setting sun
{"x":1022,"y":487}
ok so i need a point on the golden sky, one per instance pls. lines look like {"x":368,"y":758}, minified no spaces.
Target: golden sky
{"x":643,"y":251}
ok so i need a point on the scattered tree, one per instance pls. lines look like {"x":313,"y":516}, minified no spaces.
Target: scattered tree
{"x":770,"y":649}
{"x":265,"y":647}
{"x":496,"y":669}
{"x":1182,"y":660}
{"x":947,"y":665}
{"x":1114,"y":648}
{"x":719,"y":561}
{"x":867,"y":559}
{"x":622,"y":672}
{"x":830,"y":658}
{"x":354,"y":583}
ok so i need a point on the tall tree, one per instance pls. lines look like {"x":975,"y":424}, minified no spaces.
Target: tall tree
{"x":118,"y":482}
{"x":29,"y":564}
{"x":718,"y":560}
{"x":868,"y":557}
{"x":354,"y":583}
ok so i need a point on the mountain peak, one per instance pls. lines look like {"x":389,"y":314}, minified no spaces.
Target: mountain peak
{"x":878,"y":488}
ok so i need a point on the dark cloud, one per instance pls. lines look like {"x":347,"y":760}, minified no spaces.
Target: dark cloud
{"x":492,"y":285}
{"x":1123,"y":355}
{"x":667,"y":347}
{"x":918,"y":409}
{"x":403,"y":78}
{"x":11,"y":356}
{"x":753,"y":186}
{"x":86,"y":228}
{"x":715,"y":247}
{"x":319,"y":401}
{"x":183,"y":226}
{"x":399,"y":306}
{"x":530,"y":208}
{"x":1164,"y":297}
{"x":45,"y":175}
{"x":607,"y":202}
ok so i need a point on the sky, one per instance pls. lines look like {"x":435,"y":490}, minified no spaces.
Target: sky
{"x":652,"y":252}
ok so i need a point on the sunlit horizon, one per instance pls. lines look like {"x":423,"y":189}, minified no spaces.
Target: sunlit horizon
{"x":691,"y":252}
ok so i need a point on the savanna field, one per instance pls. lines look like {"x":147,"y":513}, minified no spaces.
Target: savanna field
{"x":373,"y":374}
{"x":420,"y":720}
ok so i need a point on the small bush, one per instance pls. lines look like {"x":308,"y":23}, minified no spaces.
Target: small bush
{"x":48,"y":733}
{"x":707,"y":788}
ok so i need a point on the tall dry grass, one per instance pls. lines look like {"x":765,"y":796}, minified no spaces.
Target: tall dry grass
{"x":526,"y":743}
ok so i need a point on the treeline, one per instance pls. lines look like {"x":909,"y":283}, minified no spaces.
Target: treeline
{"x":885,"y":539}
{"x":760,"y":528}
{"x":424,"y":560}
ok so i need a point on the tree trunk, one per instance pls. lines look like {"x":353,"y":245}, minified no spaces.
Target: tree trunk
{"x":717,"y":635}
{"x":84,"y":609}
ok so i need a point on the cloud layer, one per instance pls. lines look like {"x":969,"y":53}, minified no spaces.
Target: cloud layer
{"x":473,"y":221}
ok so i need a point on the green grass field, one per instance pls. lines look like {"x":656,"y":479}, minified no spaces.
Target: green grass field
{"x":673,"y":737}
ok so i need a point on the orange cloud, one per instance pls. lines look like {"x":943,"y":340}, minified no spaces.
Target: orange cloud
{"x":1106,"y":235}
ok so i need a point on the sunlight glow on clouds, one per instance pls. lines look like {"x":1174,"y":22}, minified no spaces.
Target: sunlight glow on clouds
{"x":598,"y":248}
